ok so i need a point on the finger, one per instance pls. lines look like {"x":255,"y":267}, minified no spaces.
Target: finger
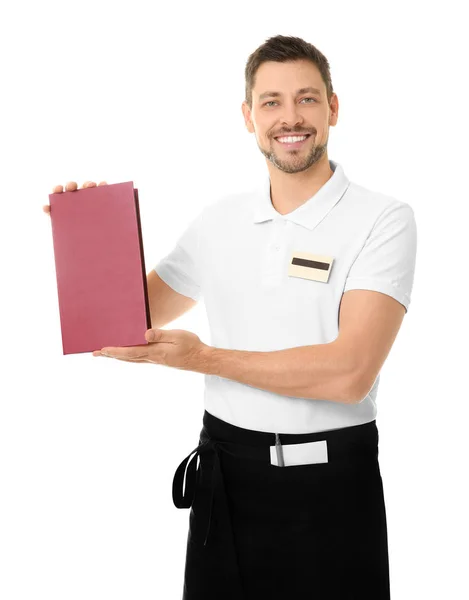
{"x":46,"y":208}
{"x":138,"y":359}
{"x":71,"y":186}
{"x":124,"y":353}
{"x":88,"y":184}
{"x":102,"y":183}
{"x":57,"y":189}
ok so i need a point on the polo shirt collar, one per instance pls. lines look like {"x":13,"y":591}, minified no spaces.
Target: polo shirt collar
{"x":311,"y":212}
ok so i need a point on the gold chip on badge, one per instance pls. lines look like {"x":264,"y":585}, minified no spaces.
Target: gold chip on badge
{"x":310,"y":266}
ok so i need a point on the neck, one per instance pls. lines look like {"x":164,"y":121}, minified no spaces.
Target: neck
{"x":288,"y":191}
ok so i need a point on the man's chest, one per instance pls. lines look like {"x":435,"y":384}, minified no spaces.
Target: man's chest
{"x":276,"y":263}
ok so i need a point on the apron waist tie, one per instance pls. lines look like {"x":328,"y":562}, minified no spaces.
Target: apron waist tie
{"x":186,"y":500}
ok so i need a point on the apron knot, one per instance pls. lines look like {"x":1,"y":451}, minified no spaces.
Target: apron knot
{"x":185,"y":499}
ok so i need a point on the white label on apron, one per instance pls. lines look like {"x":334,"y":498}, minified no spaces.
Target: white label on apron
{"x":301,"y":454}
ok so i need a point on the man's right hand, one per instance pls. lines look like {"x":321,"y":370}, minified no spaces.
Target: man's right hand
{"x":71,"y":186}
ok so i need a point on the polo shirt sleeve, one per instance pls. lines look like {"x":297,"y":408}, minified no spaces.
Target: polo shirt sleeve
{"x":180,"y":268}
{"x":386,"y":262}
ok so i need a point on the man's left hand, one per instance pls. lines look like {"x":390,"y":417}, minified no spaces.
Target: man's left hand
{"x":170,"y":347}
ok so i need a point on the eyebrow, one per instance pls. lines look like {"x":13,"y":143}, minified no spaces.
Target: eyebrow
{"x":304,"y":90}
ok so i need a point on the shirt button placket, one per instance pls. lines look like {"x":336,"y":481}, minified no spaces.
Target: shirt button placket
{"x":275,"y":256}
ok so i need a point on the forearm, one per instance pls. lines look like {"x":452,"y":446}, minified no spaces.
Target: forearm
{"x":322,"y":371}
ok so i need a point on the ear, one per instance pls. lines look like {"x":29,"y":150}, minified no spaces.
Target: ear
{"x":247,"y":116}
{"x":334,"y":110}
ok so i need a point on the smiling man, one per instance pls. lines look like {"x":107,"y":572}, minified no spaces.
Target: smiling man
{"x":306,"y":281}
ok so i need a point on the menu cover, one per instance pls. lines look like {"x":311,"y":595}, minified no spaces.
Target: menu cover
{"x":100,"y":267}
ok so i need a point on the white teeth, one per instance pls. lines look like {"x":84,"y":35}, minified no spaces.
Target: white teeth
{"x":291,"y":140}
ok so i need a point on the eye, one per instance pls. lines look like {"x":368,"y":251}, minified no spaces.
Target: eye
{"x":270,"y":101}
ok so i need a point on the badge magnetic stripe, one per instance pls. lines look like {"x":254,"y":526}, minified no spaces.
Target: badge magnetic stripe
{"x":310,"y":266}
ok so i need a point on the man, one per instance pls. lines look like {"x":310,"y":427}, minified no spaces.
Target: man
{"x":306,"y":282}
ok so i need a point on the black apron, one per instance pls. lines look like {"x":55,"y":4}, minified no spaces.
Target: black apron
{"x":258,"y":530}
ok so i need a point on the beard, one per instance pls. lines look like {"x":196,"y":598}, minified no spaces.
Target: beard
{"x":294,"y":161}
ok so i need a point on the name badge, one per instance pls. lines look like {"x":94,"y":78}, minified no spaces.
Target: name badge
{"x":310,"y":266}
{"x":301,"y":454}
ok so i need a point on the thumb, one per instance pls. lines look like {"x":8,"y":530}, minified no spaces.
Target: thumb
{"x":152,"y":335}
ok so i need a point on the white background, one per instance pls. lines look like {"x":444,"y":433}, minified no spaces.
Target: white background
{"x":130,"y":92}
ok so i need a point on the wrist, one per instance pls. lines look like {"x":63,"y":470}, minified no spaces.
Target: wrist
{"x":204,"y":362}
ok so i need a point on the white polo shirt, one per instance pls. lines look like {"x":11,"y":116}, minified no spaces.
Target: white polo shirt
{"x":237,"y":254}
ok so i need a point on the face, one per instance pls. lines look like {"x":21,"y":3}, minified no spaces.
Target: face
{"x":290,"y":113}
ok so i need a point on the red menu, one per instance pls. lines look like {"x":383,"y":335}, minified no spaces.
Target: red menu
{"x":100,"y":267}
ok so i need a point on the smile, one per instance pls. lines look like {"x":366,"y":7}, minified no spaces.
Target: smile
{"x":292,"y":141}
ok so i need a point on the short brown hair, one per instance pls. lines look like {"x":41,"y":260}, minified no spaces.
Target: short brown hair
{"x":283,"y":48}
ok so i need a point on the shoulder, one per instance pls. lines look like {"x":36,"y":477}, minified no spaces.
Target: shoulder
{"x":228,"y":208}
{"x":377,"y":206}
